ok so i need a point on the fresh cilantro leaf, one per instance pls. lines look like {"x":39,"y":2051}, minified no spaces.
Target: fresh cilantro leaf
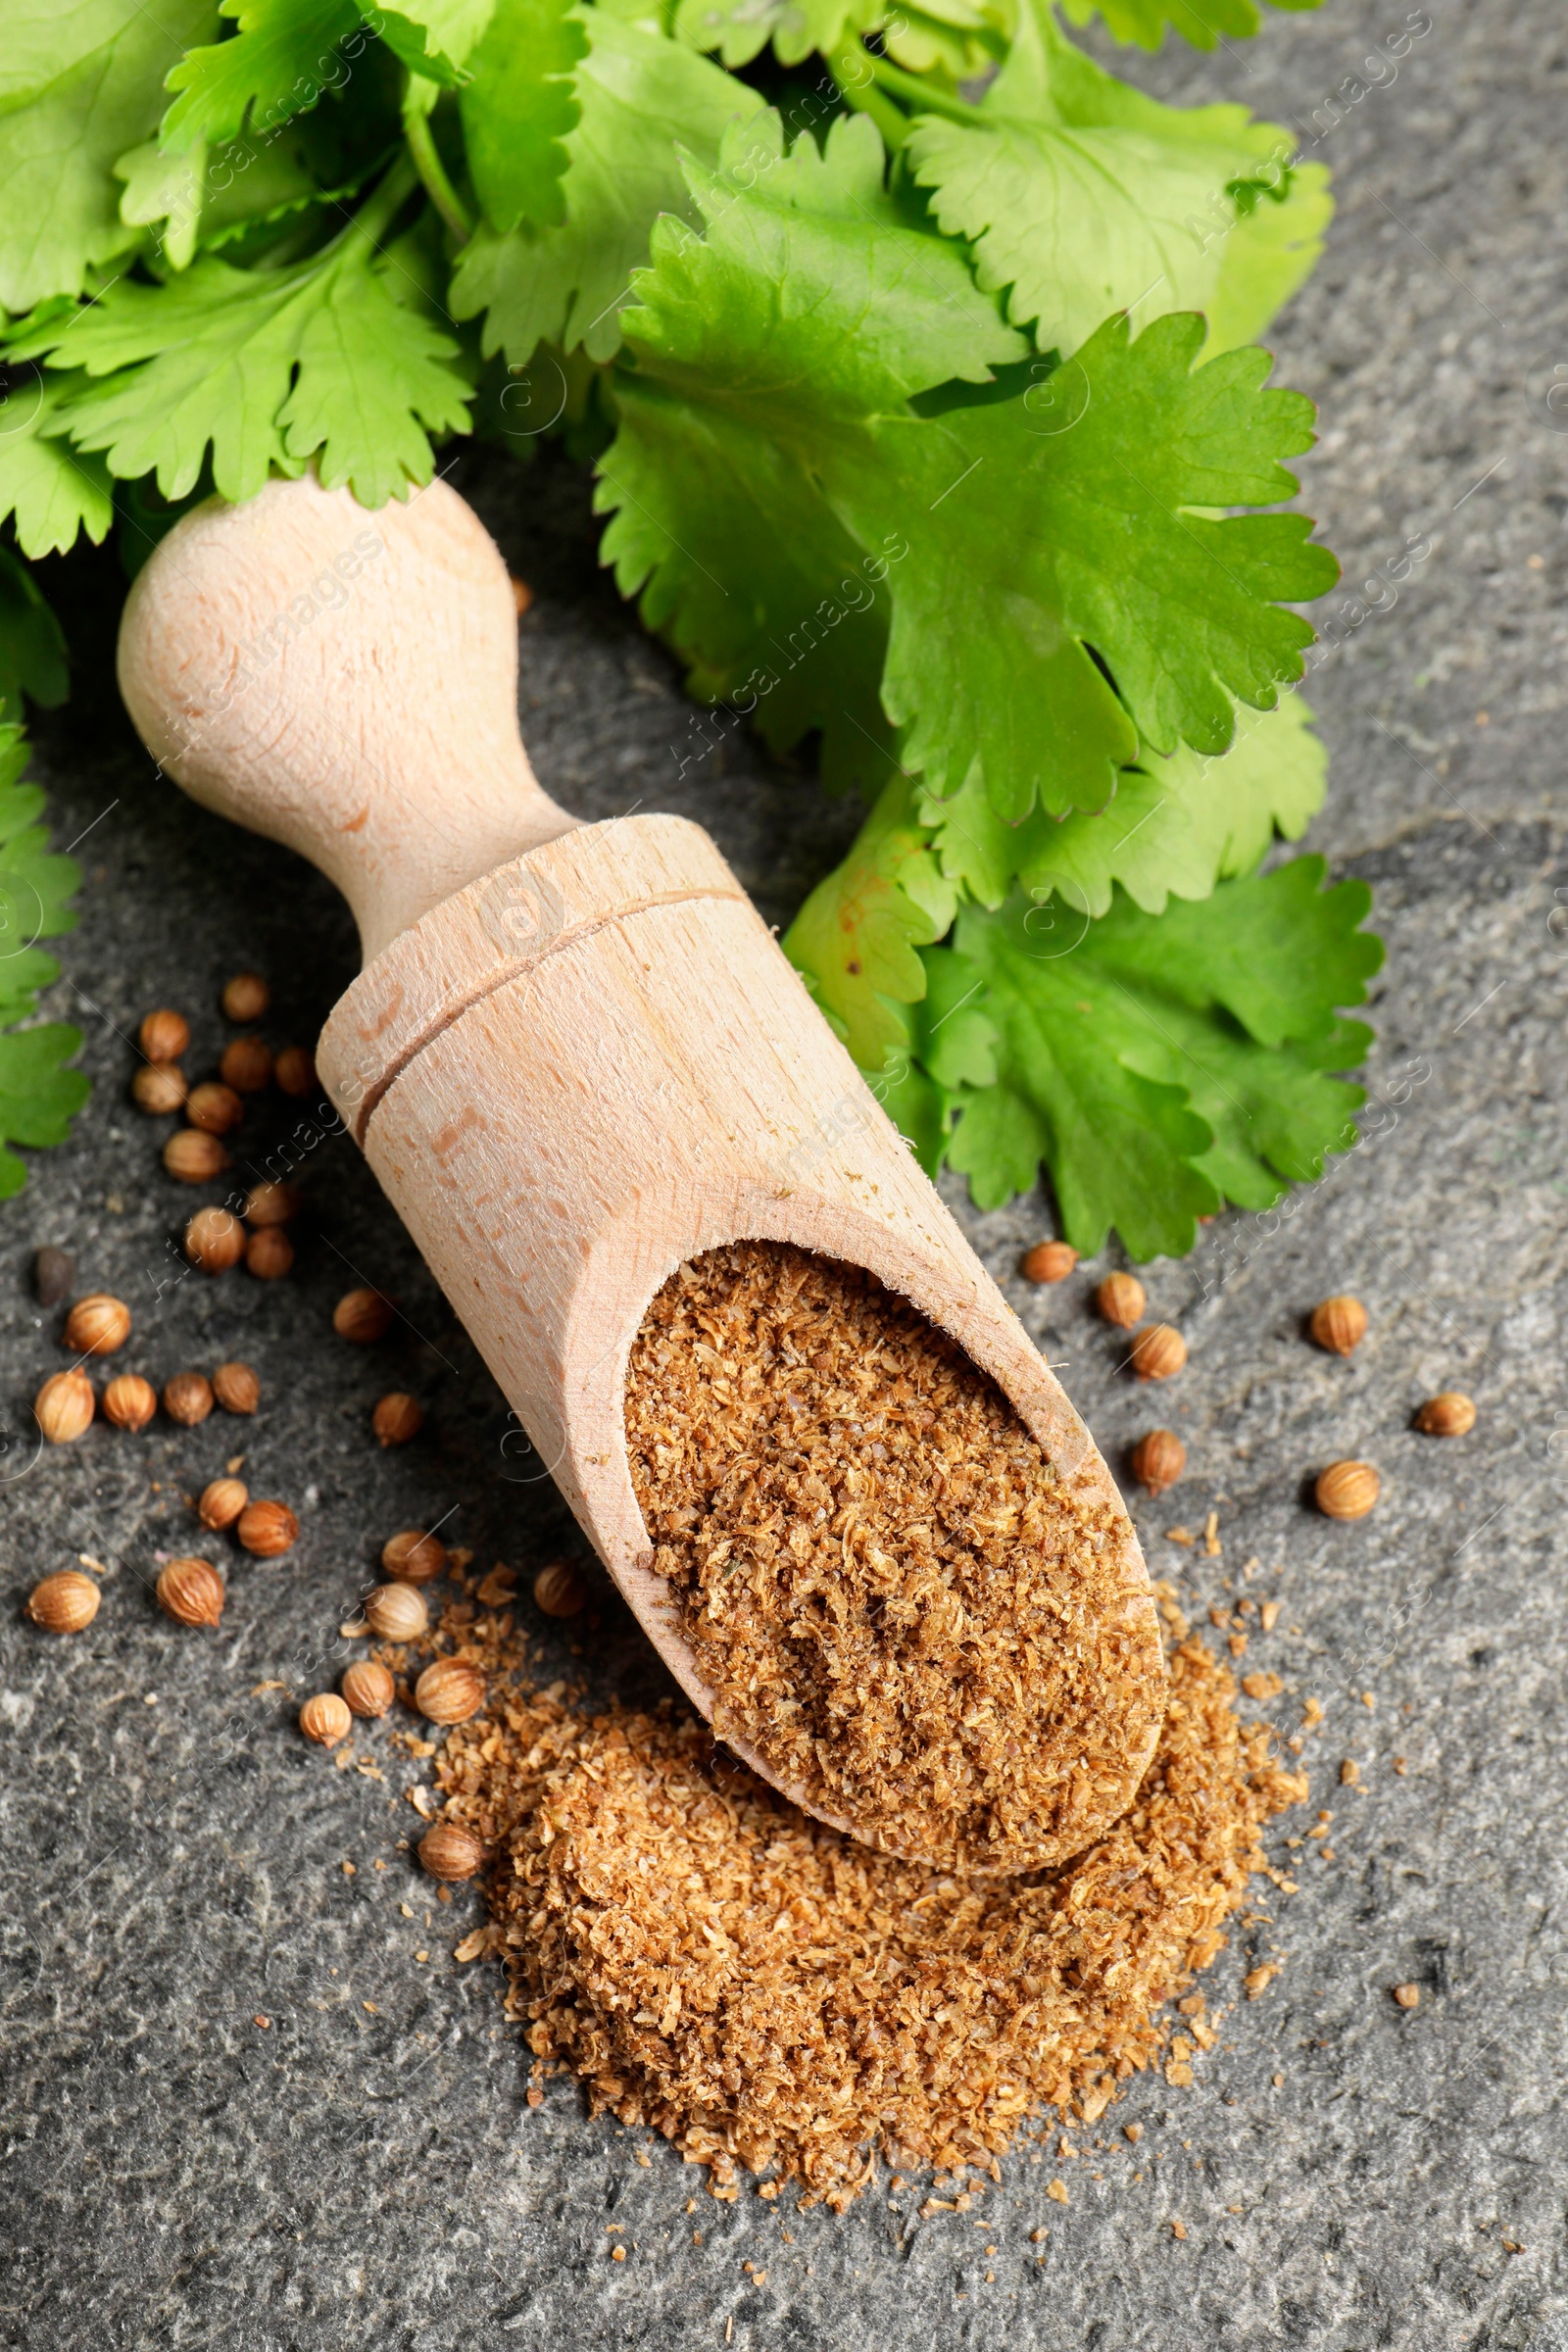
{"x":51,"y":490}
{"x":1082,"y":195}
{"x":856,"y":936}
{"x":1155,"y":1063}
{"x":168,"y":189}
{"x":739,"y":29}
{"x":32,"y":648}
{"x":519,"y":109}
{"x":1271,"y":251}
{"x":1145,"y":21}
{"x":77,"y":87}
{"x":642,"y":97}
{"x":1175,"y":828}
{"x":433,"y":37}
{"x":267,"y":369}
{"x":38,"y":1096}
{"x":282,"y":60}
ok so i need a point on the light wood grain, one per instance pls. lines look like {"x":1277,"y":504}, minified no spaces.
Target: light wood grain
{"x":580,"y":1062}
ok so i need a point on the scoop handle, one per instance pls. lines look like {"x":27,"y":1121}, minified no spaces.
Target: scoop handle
{"x":346,"y":683}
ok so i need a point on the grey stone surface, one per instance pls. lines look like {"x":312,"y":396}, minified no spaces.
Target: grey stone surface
{"x":1350,"y":2175}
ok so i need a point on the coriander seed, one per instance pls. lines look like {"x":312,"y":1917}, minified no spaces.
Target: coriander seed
{"x":246,"y":996}
{"x":361,"y":1316}
{"x":191,"y":1591}
{"x":368,"y":1687}
{"x":97,"y":1326}
{"x":269,"y":1254}
{"x":1339,"y":1324}
{"x":397,"y":1612}
{"x":221,"y":1502}
{"x":294,"y":1071}
{"x":1159,"y":1460}
{"x":396,"y":1419}
{"x":414,"y":1558}
{"x":325,"y":1719}
{"x":63,"y":1603}
{"x":54,"y":1275}
{"x":215,"y":1240}
{"x":1121,"y":1299}
{"x":157,"y":1087}
{"x":164,"y":1035}
{"x":129,"y":1402}
{"x":194,"y":1156}
{"x":236,"y":1388}
{"x":272,"y":1203}
{"x":266,"y":1529}
{"x":1347,"y":1490}
{"x":559,"y":1590}
{"x":1448,"y":1416}
{"x":246,"y":1065}
{"x":450,"y":1691}
{"x":188,"y":1399}
{"x":1048,"y":1261}
{"x":65,"y":1406}
{"x":213,"y":1108}
{"x":1157,"y":1351}
{"x":1408,"y":1996}
{"x":450,"y":1853}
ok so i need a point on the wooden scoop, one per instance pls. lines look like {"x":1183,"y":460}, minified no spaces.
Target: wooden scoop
{"x":575,"y":1058}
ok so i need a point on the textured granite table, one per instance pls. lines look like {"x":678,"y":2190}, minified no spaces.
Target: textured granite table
{"x":241,"y":2111}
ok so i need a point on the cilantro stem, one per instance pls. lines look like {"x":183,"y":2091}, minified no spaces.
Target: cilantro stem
{"x":856,"y":89}
{"x":433,"y":171}
{"x":927,"y":96}
{"x":378,"y":211}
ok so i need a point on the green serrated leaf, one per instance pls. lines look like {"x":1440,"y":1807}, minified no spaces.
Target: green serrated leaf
{"x":38,"y":1096}
{"x":1272,"y":250}
{"x":642,"y":98}
{"x":77,"y":88}
{"x":33,"y":647}
{"x":1176,"y":827}
{"x":1145,"y":21}
{"x":519,"y":109}
{"x":284,"y":58}
{"x":50,"y":491}
{"x":740,"y":28}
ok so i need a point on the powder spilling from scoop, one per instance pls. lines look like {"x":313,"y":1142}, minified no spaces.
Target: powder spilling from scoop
{"x":898,"y":1604}
{"x":769,"y":1994}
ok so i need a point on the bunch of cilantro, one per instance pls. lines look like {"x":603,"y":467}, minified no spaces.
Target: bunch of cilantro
{"x":915,"y":355}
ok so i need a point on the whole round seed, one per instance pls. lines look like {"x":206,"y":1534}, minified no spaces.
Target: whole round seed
{"x":213,"y":1108}
{"x":188,"y":1399}
{"x":294,"y":1070}
{"x":1121,"y":1299}
{"x":1339,"y":1324}
{"x":247,"y":1064}
{"x":157,"y":1087}
{"x":194,"y":1156}
{"x":368,"y":1687}
{"x":1048,"y":1261}
{"x":397,"y":1612}
{"x":269,"y":1254}
{"x":450,"y":1691}
{"x":215,"y":1240}
{"x":236,"y":1388}
{"x":97,"y":1326}
{"x":221,"y":1502}
{"x":396,"y":1419}
{"x":1347,"y":1490}
{"x":559,"y":1590}
{"x":65,"y":1406}
{"x":414,"y":1558}
{"x":1448,"y":1416}
{"x":266,"y":1529}
{"x":361,"y":1316}
{"x":272,"y":1203}
{"x":129,"y":1402}
{"x":63,"y":1603}
{"x":191,"y":1591}
{"x":246,"y":996}
{"x":1157,"y":1351}
{"x":325,"y":1719}
{"x":450,"y":1853}
{"x":1159,"y":1460}
{"x":164,"y":1035}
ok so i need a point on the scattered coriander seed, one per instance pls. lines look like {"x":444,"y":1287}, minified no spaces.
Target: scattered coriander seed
{"x":188,"y":1399}
{"x":294,"y":1070}
{"x":521,"y":595}
{"x":414,"y":1558}
{"x":1159,"y":1459}
{"x":450,"y":1853}
{"x":449,"y":1692}
{"x":396,"y":1419}
{"x":1121,"y":1299}
{"x":63,"y":1603}
{"x":236,"y":1388}
{"x":368,"y":1687}
{"x":1339,"y":1324}
{"x":1157,"y":1351}
{"x":266,"y":1529}
{"x":269,"y":1254}
{"x":215,"y":1240}
{"x":361,"y":1316}
{"x":1048,"y":1261}
{"x":129,"y":1402}
{"x":1408,"y":1996}
{"x":157,"y":1087}
{"x":54,"y":1275}
{"x":246,"y":1064}
{"x":1347,"y":1490}
{"x":559,"y":1590}
{"x":1451,"y":1414}
{"x":272,"y":1203}
{"x":65,"y":1406}
{"x":397,"y":1612}
{"x":213,"y":1108}
{"x":246,"y":996}
{"x":97,"y":1325}
{"x":194,"y":1156}
{"x":164,"y":1035}
{"x":325,"y":1719}
{"x":221,"y":1502}
{"x":191,"y":1591}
